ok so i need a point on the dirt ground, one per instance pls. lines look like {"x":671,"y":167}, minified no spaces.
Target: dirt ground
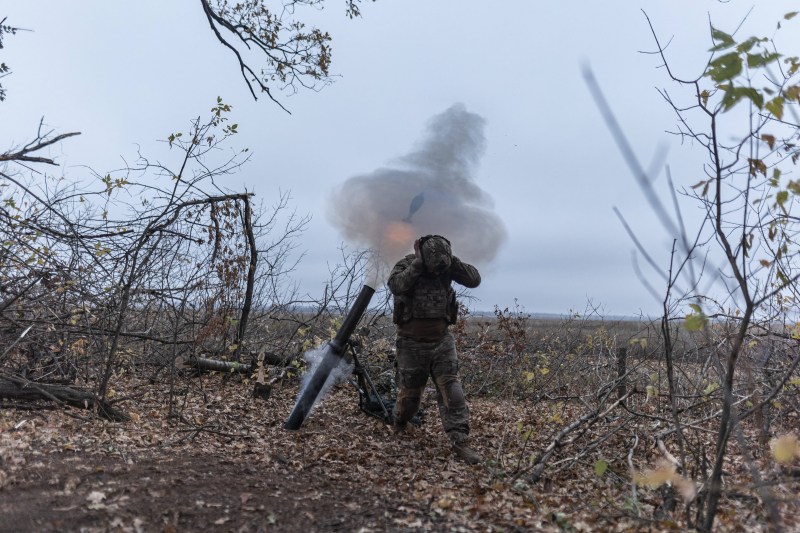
{"x":69,"y":491}
{"x":226,"y":464}
{"x":338,"y":473}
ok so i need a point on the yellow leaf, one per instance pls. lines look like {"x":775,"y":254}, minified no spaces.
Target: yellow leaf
{"x":785,"y":448}
{"x":695,"y":322}
{"x":686,"y":488}
{"x":666,"y":473}
{"x":655,"y":478}
{"x":445,"y":503}
{"x":600,"y":467}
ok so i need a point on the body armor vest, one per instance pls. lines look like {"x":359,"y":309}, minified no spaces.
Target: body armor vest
{"x":431,"y":297}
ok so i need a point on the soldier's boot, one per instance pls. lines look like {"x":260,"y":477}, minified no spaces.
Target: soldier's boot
{"x":464,"y":452}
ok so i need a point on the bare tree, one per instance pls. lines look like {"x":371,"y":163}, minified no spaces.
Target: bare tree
{"x":742,"y":110}
{"x":154,"y":260}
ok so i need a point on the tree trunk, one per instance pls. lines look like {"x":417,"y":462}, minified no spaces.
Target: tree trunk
{"x":21,"y":389}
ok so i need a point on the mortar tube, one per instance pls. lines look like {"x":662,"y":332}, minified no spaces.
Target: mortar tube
{"x":334,"y":351}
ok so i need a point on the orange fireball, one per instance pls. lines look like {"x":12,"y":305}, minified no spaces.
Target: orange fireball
{"x":399,"y":236}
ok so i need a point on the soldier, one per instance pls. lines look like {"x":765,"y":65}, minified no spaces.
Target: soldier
{"x":424,"y":307}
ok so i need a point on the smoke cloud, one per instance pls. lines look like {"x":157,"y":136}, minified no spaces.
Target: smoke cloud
{"x":431,"y":190}
{"x":340,"y":373}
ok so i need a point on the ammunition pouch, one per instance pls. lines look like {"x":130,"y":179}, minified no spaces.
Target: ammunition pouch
{"x":404,"y":308}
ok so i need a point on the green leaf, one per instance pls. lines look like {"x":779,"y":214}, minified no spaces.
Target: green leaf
{"x":725,"y":67}
{"x":696,"y":307}
{"x":775,"y":106}
{"x":600,"y":467}
{"x":776,"y":177}
{"x":793,"y":92}
{"x":756,"y":97}
{"x":760,"y":60}
{"x":747,"y":45}
{"x":722,"y":40}
{"x":791,"y":15}
{"x":695,"y":322}
{"x":734,"y":94}
{"x":781,"y":197}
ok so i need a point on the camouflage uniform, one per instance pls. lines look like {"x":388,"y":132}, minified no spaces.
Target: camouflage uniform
{"x":425,"y":306}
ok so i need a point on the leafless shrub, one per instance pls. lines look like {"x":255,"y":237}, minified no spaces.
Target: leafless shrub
{"x":137,"y":267}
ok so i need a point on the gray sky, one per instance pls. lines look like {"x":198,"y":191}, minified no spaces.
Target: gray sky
{"x":131,"y":73}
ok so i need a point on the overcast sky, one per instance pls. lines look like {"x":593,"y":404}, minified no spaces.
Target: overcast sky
{"x":127,"y":74}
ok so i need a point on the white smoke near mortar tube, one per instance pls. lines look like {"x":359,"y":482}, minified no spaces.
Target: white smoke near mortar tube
{"x":340,"y":373}
{"x":437,"y":178}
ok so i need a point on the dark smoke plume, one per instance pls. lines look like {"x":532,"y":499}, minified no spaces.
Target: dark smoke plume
{"x":428,"y":191}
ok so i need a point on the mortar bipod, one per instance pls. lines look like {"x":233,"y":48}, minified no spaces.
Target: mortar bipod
{"x":370,"y":401}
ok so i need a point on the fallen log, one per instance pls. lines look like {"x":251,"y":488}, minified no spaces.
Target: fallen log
{"x":216,"y":365}
{"x":18,"y":388}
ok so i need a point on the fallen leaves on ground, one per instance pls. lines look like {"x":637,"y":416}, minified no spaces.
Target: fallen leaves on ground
{"x":221,"y":461}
